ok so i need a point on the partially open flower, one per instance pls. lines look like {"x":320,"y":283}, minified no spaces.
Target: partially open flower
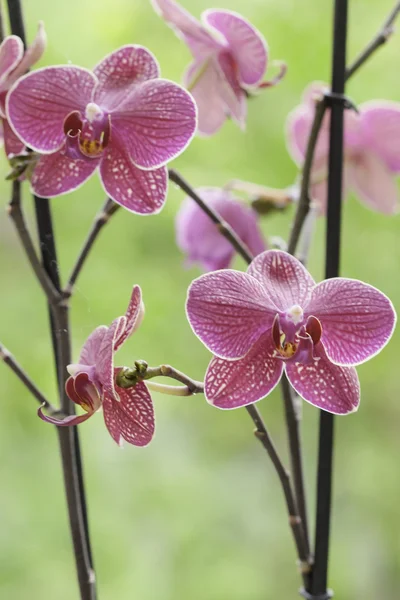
{"x":230,"y":59}
{"x":201,"y":240}
{"x":121,"y":119}
{"x":275,"y":317}
{"x":371,"y":150}
{"x":128,"y":413}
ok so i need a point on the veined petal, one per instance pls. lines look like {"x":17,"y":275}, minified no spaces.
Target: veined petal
{"x":120,"y":71}
{"x":357,"y":319}
{"x":12,"y":144}
{"x":92,"y":345}
{"x":381,"y":129}
{"x":285,"y":280}
{"x":229,"y":311}
{"x":199,"y":41}
{"x":330,"y":387}
{"x":105,"y":356}
{"x":131,"y":419}
{"x":38,"y":103}
{"x":234,"y":383}
{"x":246,"y":43}
{"x":11,"y":52}
{"x":56,"y":174}
{"x":374,"y":183}
{"x":134,"y":315}
{"x":230,"y":90}
{"x":203,"y":81}
{"x":155,"y":122}
{"x":140,"y":191}
{"x":31,"y":55}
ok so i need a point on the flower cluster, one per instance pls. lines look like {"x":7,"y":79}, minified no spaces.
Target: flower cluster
{"x":128,"y":413}
{"x":275,"y":317}
{"x":371,"y":150}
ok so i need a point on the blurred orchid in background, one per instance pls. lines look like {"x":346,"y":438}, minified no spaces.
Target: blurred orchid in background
{"x":15,"y":62}
{"x":230,"y":59}
{"x":371,"y":150}
{"x":128,"y":413}
{"x":275,"y":317}
{"x":121,"y":119}
{"x":199,"y":238}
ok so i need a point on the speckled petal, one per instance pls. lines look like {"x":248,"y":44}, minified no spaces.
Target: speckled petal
{"x":357,"y":319}
{"x":327,"y":386}
{"x":203,"y":82}
{"x":131,"y":419}
{"x":120,"y":71}
{"x":56,"y":174}
{"x":200,"y":42}
{"x":374,"y":183}
{"x":134,"y":315}
{"x":38,"y":103}
{"x":11,"y":52}
{"x":105,"y":356}
{"x":286,"y":281}
{"x":246,"y":43}
{"x":228,"y":311}
{"x":234,"y":383}
{"x":141,"y":192}
{"x":92,"y":346}
{"x":156,"y":122}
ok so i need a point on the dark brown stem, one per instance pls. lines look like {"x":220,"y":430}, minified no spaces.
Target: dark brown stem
{"x":101,"y":219}
{"x":379,"y":40}
{"x":222,"y":225}
{"x":295,"y":522}
{"x":10,"y":361}
{"x":16,"y":214}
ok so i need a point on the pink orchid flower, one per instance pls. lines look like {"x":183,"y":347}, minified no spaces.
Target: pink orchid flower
{"x":371,"y":150}
{"x":230,"y":59}
{"x":199,"y":238}
{"x":128,"y":413}
{"x":121,"y":119}
{"x":275,"y":317}
{"x":15,"y":62}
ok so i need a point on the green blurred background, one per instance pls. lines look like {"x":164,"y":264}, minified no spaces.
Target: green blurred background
{"x":199,"y":513}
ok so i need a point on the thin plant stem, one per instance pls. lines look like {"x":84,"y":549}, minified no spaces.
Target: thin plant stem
{"x":68,"y":437}
{"x":10,"y":361}
{"x":222,"y":225}
{"x":127,"y":377}
{"x":101,"y":219}
{"x":169,"y":390}
{"x":379,"y":40}
{"x":332,"y":261}
{"x":295,"y":521}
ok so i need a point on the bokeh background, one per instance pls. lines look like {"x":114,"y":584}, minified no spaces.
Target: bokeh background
{"x":199,"y":513}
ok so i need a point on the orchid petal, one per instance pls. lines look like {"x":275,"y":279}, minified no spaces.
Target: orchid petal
{"x":357,"y":319}
{"x":56,"y":174}
{"x":120,"y":71}
{"x":92,"y":345}
{"x":246,"y":43}
{"x":134,"y":316}
{"x":298,"y":128}
{"x":156,"y":122}
{"x":230,"y":90}
{"x":203,"y":80}
{"x":105,"y":356}
{"x":11,"y":53}
{"x":374,"y":184}
{"x":82,"y":390}
{"x":286,"y":281}
{"x":381,"y":128}
{"x":38,"y":103}
{"x":330,"y":387}
{"x":66,"y":421}
{"x":131,"y":419}
{"x":229,"y":311}
{"x":141,"y":192}
{"x":31,"y":55}
{"x":234,"y":383}
{"x":12,"y":144}
{"x":199,"y":41}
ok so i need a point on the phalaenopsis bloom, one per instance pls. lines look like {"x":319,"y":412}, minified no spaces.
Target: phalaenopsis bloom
{"x":275,"y":317}
{"x":121,"y":119}
{"x":128,"y":413}
{"x":230,"y":59}
{"x":371,"y":150}
{"x":201,"y":240}
{"x":15,"y":62}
